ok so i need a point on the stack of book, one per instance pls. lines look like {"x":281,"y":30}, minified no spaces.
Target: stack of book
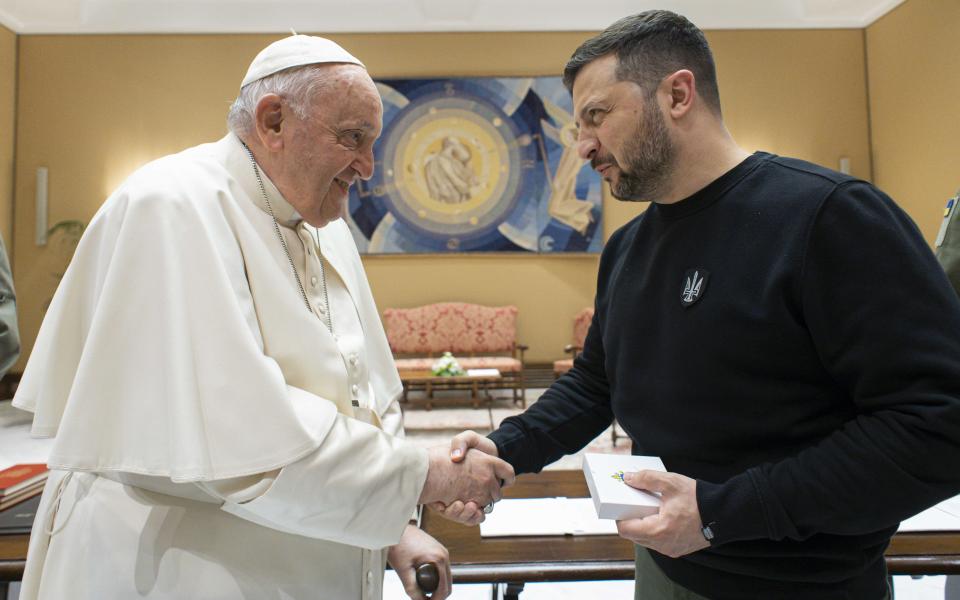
{"x":19,"y":519}
{"x":19,"y":482}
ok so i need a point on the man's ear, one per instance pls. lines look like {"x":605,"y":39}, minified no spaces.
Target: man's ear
{"x":269,"y":121}
{"x":681,"y":87}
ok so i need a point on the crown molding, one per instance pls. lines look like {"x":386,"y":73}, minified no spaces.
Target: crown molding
{"x":329,"y":16}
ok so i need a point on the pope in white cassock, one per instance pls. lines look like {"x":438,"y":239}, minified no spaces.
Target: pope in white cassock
{"x":216,"y":377}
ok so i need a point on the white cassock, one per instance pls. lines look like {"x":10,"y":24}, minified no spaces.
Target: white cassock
{"x":212,"y":436}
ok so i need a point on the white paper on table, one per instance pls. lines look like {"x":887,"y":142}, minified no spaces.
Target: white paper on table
{"x":483,"y":372}
{"x":545,"y":516}
{"x":951,"y":505}
{"x":941,"y":517}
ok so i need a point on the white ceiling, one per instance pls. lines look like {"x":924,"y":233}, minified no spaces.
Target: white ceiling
{"x":337,"y":16}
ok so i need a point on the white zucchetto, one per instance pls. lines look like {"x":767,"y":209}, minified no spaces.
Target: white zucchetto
{"x":296,"y":51}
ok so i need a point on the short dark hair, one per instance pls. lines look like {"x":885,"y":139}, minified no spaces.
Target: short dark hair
{"x":649,"y":46}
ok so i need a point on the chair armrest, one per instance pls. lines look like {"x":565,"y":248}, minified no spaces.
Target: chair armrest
{"x":521,"y":348}
{"x":573,"y":350}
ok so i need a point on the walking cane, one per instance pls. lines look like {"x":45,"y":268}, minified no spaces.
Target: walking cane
{"x":428,"y":577}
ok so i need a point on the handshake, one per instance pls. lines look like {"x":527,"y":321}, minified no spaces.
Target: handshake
{"x":462,"y":479}
{"x":465,"y":477}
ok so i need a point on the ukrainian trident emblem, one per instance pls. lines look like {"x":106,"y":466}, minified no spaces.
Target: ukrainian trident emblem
{"x":694,"y":286}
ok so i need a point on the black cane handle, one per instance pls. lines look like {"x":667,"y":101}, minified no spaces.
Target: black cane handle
{"x":428,"y":577}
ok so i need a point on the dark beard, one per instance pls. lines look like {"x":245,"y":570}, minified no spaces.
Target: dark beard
{"x":648,"y":159}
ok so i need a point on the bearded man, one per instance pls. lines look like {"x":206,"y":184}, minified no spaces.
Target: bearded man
{"x":779,"y":333}
{"x":216,"y":376}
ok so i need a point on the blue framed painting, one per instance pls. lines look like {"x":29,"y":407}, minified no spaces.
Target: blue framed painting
{"x":477,"y":165}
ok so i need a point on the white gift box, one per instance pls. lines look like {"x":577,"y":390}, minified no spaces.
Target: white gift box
{"x":613,"y":498}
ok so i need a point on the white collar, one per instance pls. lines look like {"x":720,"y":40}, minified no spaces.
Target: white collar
{"x":239,"y":164}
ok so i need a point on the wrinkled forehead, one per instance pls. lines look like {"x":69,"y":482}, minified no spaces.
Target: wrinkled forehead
{"x":594,"y":79}
{"x":351,"y":94}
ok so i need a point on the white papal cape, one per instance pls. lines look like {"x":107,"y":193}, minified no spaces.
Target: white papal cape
{"x":205,"y":440}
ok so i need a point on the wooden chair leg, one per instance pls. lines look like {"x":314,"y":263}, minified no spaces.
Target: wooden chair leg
{"x":512,"y":591}
{"x":523,"y":392}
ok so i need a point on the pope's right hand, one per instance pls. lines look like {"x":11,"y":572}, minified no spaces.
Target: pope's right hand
{"x":476,"y":478}
{"x":460,"y":511}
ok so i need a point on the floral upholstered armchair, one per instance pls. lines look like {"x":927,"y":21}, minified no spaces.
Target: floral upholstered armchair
{"x":481,"y":337}
{"x":581,"y":324}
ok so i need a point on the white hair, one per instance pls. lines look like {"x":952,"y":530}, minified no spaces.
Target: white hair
{"x":297,"y":86}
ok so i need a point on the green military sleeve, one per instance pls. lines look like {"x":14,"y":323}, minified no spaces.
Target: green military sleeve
{"x":9,"y":334}
{"x":948,"y":242}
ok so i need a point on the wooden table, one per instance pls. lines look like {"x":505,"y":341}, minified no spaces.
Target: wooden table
{"x":519,"y":560}
{"x":428,"y":382}
{"x":13,"y":556}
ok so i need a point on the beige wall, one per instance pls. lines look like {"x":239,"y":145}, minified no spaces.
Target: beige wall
{"x":93,"y":108}
{"x":8,"y":97}
{"x":914,"y":73}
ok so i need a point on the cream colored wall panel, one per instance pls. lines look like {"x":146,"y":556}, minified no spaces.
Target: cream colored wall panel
{"x":914,"y":70}
{"x":796,"y":93}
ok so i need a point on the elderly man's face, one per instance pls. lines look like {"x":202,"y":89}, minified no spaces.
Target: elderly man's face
{"x":333,"y":146}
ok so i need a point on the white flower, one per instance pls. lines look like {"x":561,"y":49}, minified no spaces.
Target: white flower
{"x":447,"y":366}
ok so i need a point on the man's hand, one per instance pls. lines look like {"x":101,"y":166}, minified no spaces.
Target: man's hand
{"x":415,"y":548}
{"x":676,"y":530}
{"x":477,"y":478}
{"x":471,"y":439}
{"x":466,"y":513}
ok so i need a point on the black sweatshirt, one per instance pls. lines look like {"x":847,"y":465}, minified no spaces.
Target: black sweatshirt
{"x":811,"y":384}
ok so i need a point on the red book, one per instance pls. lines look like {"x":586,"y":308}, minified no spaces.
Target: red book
{"x":18,"y":477}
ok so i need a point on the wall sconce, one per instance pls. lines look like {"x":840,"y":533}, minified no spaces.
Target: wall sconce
{"x":40,"y":206}
{"x":845,"y":165}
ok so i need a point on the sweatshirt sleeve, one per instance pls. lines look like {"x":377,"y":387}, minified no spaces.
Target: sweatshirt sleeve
{"x":886,"y":325}
{"x":574,"y":410}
